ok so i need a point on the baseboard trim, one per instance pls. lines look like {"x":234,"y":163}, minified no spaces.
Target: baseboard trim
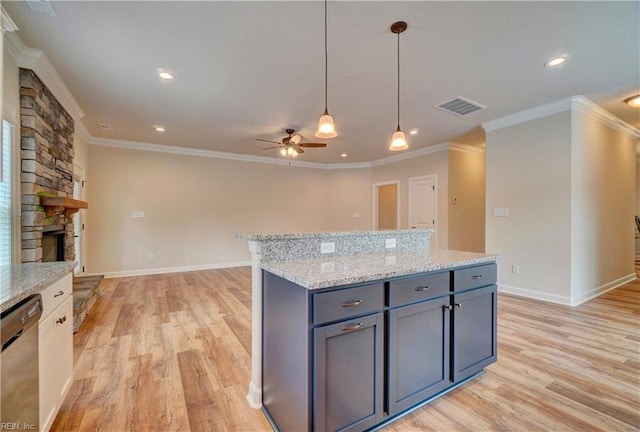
{"x":564,"y":300}
{"x":164,"y":270}
{"x":553,"y":298}
{"x":578,"y":300}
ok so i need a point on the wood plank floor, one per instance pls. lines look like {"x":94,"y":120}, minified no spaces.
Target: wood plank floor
{"x":171,"y":353}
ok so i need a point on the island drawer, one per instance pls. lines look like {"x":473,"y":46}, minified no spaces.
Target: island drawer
{"x":348,"y":302}
{"x":474,"y":277}
{"x":418,"y":288}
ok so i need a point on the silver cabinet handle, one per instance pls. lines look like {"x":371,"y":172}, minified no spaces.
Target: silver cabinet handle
{"x":476,"y":277}
{"x":352,"y":327}
{"x":422,"y":288}
{"x":459,"y":305}
{"x":59,"y":294}
{"x":352,"y":304}
{"x":447,"y":307}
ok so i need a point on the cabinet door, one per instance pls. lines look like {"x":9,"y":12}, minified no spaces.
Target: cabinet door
{"x":46,"y":347}
{"x":64,"y":349}
{"x":348,"y":374}
{"x":474,"y":331}
{"x":419,"y":346}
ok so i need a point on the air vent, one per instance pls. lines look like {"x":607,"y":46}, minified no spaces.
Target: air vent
{"x":460,"y":106}
{"x":43,"y":7}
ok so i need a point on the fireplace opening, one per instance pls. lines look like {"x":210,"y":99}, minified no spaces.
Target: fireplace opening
{"x":53,"y":243}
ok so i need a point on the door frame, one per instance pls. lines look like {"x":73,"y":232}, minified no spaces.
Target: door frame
{"x":411,"y":204}
{"x":79,"y":177}
{"x":374,"y":213}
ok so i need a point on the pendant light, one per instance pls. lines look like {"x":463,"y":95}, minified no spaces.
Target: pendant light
{"x":398,"y":140}
{"x":326,"y":126}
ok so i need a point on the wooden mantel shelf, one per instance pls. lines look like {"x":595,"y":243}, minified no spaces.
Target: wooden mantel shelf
{"x":53,"y":204}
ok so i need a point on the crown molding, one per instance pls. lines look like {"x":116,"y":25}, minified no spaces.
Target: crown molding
{"x":585,"y":106}
{"x":37,"y":61}
{"x":464,"y":148}
{"x":82,"y":132}
{"x":188,"y":151}
{"x":6,"y":23}
{"x":528,"y":115}
{"x":412,"y":154}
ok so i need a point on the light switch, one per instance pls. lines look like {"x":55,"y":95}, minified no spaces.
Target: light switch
{"x":390,"y":243}
{"x":500,"y":212}
{"x":329,"y":247}
{"x":137,"y":214}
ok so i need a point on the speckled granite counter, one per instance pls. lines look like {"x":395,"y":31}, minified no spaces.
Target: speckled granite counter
{"x":345,"y":270}
{"x":20,"y":281}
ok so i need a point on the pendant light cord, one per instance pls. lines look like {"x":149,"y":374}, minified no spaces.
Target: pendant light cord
{"x":326,"y":59}
{"x":398,"y":81}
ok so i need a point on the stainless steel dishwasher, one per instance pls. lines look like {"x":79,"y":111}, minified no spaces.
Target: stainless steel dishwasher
{"x":19,"y":386}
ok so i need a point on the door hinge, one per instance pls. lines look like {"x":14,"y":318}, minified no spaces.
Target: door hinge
{"x":433,"y":187}
{"x":82,"y":227}
{"x":82,"y":269}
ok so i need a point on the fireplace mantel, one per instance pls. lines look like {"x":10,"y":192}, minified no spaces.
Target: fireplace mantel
{"x":52,"y":205}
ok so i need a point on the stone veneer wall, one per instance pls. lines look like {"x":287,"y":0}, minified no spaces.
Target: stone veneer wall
{"x":46,"y":133}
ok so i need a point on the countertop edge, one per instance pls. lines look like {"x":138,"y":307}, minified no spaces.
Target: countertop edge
{"x":311,"y":235}
{"x":377,"y":275}
{"x":33,"y":278}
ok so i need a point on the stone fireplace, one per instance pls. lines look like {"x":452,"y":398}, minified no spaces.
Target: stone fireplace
{"x":46,"y":134}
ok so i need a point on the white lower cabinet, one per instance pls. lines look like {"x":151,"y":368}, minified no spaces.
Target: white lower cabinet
{"x":55,"y":349}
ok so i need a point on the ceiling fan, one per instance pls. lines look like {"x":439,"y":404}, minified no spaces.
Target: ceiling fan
{"x":291,"y":145}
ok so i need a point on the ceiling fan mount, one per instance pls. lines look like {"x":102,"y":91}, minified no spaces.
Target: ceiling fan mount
{"x":292,"y":144}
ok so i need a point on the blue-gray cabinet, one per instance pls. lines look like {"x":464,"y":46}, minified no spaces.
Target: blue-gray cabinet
{"x":350,"y":358}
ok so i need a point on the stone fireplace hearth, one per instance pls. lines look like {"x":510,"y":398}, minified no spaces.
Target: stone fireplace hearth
{"x":46,"y":138}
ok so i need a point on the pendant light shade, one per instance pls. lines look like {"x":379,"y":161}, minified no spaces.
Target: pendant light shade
{"x":326,"y":125}
{"x":398,"y":139}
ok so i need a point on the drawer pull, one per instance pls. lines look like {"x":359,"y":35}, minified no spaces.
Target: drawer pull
{"x":447,"y":307}
{"x":59,"y":294}
{"x":352,"y":304}
{"x":61,"y":320}
{"x":476,"y":277}
{"x":422,"y":288}
{"x":459,"y":305}
{"x":352,"y":327}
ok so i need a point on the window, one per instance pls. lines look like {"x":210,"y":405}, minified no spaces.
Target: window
{"x":5,"y":202}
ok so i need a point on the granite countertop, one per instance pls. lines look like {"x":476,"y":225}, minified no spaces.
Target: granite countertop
{"x":333,"y":271}
{"x":22,"y":280}
{"x":313,"y":235}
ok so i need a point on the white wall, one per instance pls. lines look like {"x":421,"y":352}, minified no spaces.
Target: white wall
{"x":529,"y":172}
{"x":349,"y":193}
{"x":433,"y":163}
{"x":193,"y":208}
{"x":603,"y":208}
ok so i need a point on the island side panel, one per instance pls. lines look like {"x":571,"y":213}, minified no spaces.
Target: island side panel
{"x":286,"y":350}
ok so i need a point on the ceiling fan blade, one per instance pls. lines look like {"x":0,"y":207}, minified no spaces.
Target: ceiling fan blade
{"x":298,"y":149}
{"x":269,"y":141}
{"x":295,"y":139}
{"x":269,"y":148}
{"x":312,"y":145}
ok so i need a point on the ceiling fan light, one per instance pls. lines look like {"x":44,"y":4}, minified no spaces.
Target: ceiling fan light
{"x":326,"y":127}
{"x":633,"y":101}
{"x":398,"y":141}
{"x":283,"y":151}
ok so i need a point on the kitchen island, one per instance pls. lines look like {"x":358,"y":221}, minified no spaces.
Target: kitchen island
{"x":354,"y":337}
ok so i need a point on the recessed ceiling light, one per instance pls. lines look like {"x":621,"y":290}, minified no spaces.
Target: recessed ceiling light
{"x":413,"y":131}
{"x":166,"y":75}
{"x":555,"y":61}
{"x":343,"y":155}
{"x":159,"y":128}
{"x":633,"y":101}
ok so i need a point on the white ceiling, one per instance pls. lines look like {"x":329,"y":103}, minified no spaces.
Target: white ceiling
{"x":248,"y":70}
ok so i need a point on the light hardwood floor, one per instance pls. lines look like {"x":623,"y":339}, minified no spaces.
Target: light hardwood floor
{"x":171,"y":353}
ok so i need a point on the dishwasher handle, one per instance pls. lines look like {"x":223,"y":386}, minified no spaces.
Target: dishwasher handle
{"x":12,"y":339}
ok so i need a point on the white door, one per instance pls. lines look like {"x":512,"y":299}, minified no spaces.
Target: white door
{"x":422,"y":204}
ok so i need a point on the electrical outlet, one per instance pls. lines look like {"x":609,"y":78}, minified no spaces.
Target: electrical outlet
{"x":390,"y":260}
{"x":152,"y":256}
{"x":515,"y":269}
{"x":326,"y":248}
{"x":137,"y":214}
{"x":500,"y":212}
{"x":390,"y":243}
